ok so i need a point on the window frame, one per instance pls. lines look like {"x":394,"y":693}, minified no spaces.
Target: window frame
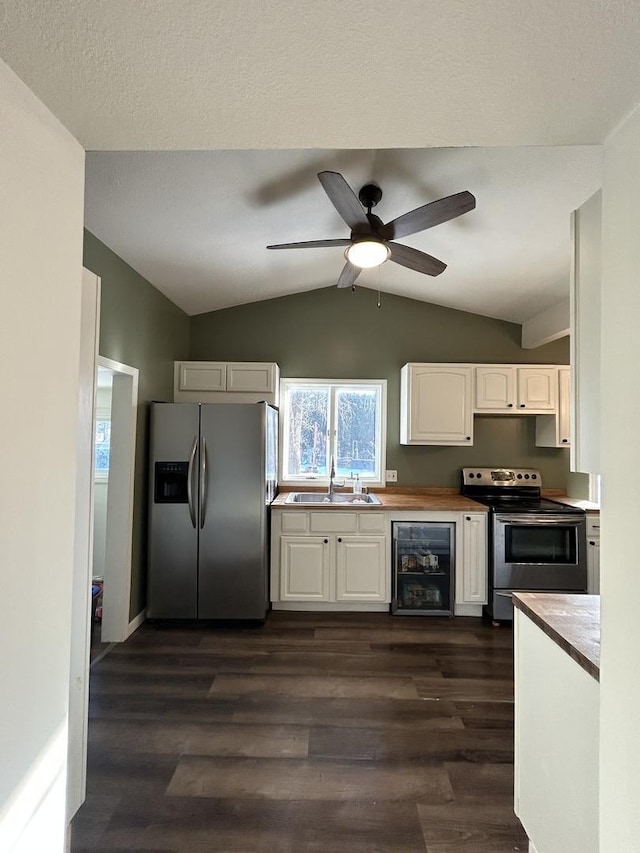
{"x":334,"y":385}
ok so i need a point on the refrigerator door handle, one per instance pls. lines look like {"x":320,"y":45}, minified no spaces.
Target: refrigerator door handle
{"x":192,"y":456}
{"x":204,"y":485}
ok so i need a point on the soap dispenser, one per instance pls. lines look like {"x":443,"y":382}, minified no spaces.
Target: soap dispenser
{"x":357,"y":485}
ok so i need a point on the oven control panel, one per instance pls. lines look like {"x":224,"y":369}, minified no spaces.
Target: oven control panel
{"x":501,"y":477}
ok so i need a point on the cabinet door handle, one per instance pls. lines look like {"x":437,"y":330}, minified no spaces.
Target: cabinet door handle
{"x":325,"y":541}
{"x":468,"y":438}
{"x":509,"y":405}
{"x":468,"y":517}
{"x":591,"y":542}
{"x":522,"y":406}
{"x":339,"y":538}
{"x":565,"y":441}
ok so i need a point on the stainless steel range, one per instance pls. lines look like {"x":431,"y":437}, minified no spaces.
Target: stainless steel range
{"x":535,"y":544}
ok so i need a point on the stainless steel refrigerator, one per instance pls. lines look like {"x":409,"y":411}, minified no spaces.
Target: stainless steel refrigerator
{"x":213,"y":475}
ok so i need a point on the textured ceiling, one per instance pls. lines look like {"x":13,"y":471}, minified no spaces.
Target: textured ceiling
{"x":197,"y":224}
{"x":253,"y":82}
{"x":196,"y":74}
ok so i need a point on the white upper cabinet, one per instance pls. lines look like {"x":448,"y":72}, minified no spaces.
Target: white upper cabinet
{"x":502,"y":388}
{"x":436,"y":404}
{"x":495,"y":388}
{"x":537,"y":388}
{"x":555,"y":430}
{"x":226,"y":382}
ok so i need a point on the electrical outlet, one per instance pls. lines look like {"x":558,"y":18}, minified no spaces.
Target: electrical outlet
{"x":391,"y":476}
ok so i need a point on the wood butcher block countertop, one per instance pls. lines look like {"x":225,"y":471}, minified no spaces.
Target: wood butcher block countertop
{"x":410,"y":499}
{"x":571,"y":621}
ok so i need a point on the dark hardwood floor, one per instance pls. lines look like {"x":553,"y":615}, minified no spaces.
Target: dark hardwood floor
{"x":317,"y":733}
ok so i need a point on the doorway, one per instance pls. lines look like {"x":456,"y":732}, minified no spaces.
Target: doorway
{"x":114,"y":460}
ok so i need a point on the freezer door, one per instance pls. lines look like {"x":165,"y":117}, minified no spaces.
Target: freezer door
{"x":172,"y":590}
{"x":233,"y":522}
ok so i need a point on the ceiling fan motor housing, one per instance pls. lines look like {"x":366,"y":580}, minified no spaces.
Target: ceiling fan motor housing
{"x":370,"y":195}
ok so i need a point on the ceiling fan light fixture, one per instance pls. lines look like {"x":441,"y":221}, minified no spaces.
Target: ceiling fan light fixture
{"x":367,"y":253}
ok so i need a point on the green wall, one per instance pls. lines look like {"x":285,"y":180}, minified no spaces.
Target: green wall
{"x":142,"y":328}
{"x":342,"y":334}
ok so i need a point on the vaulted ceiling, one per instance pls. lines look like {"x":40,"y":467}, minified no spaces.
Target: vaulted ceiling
{"x":255,"y":97}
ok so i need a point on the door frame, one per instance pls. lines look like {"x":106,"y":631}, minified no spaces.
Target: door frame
{"x":119,"y":535}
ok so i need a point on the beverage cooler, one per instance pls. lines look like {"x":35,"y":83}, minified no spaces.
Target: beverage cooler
{"x":423,"y":568}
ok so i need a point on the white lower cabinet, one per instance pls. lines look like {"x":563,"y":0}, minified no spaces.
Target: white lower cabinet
{"x":329,"y":557}
{"x":473,"y":589}
{"x":304,"y":568}
{"x":360,"y":568}
{"x":342,"y":560}
{"x":593,"y":554}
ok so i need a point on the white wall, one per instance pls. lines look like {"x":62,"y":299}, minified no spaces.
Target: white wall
{"x":620,"y":458}
{"x":41,"y":214}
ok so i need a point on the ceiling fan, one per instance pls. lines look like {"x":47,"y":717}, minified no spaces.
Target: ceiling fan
{"x":371,"y":241}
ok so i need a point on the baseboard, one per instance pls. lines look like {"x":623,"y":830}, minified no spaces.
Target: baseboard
{"x":330,"y":606}
{"x":136,"y":622}
{"x":467,"y":610}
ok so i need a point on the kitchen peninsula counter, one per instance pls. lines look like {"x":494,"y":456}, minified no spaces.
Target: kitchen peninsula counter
{"x":571,"y":621}
{"x":557,"y":666}
{"x":411,"y":499}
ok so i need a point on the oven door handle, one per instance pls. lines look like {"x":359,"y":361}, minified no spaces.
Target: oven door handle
{"x":527,"y":520}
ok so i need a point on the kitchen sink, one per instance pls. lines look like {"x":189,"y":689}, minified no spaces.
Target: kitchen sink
{"x":313,"y":498}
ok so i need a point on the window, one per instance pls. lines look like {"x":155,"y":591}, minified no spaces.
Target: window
{"x":322,"y":419}
{"x":102,"y":446}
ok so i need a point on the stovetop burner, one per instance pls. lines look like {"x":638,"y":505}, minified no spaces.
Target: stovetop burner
{"x":510,"y":490}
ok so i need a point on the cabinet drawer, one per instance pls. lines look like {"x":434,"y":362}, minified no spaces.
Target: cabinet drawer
{"x":371,"y":522}
{"x":333,"y":522}
{"x":294,"y":522}
{"x":593,"y":525}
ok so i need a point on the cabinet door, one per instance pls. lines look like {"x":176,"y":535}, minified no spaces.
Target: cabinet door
{"x":495,"y":389}
{"x":593,"y":566}
{"x":304,"y":568}
{"x":564,"y":407}
{"x":437,"y":405}
{"x":361,"y":569}
{"x":251,"y":376}
{"x":202,"y":376}
{"x":474,"y":558}
{"x":537,"y":388}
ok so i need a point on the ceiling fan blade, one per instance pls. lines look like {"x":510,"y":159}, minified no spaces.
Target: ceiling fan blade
{"x":344,"y":200}
{"x":429,"y":215}
{"x":349,"y":275}
{"x":416,"y":260}
{"x":311,"y":244}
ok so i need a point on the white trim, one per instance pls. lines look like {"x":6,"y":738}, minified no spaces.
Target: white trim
{"x":331,"y":606}
{"x":136,"y":622}
{"x":117,"y":575}
{"x":83,"y":546}
{"x":333,"y":384}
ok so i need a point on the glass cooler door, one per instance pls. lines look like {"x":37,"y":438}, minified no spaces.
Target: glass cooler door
{"x":423,"y":561}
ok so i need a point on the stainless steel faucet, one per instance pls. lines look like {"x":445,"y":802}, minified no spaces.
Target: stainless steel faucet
{"x":332,"y":482}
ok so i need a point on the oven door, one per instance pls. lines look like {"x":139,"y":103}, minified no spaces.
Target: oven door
{"x":539,"y":552}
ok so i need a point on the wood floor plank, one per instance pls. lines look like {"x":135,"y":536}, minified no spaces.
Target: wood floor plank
{"x":398,"y":635}
{"x":465,"y":689}
{"x":197,"y":825}
{"x":460,"y":829}
{"x":314,"y":686}
{"x":216,"y":739}
{"x":388,"y":714}
{"x":495,"y":747}
{"x":296,"y":779}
